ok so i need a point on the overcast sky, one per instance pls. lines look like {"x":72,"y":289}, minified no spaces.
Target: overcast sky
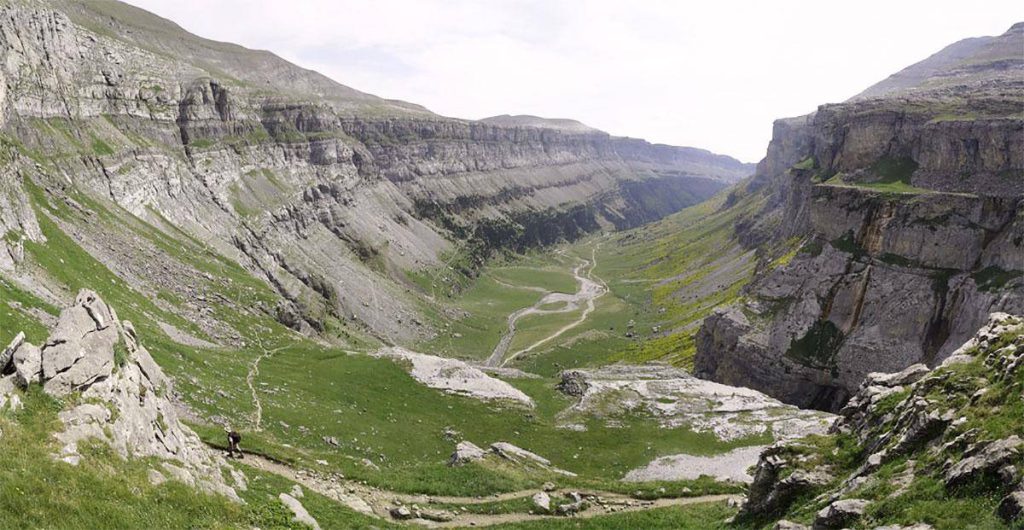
{"x":711,"y":74}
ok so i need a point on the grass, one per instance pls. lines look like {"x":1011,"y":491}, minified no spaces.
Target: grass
{"x":486,"y":302}
{"x":107,"y":492}
{"x":698,"y":517}
{"x":372,"y":406}
{"x":16,"y":314}
{"x":994,"y":278}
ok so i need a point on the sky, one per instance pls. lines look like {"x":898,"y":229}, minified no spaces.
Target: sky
{"x":711,"y":74}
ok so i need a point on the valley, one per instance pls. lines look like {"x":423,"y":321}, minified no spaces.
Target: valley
{"x":421,"y":321}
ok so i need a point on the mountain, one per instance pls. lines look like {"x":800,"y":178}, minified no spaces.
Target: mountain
{"x":332,"y":196}
{"x":967,"y":61}
{"x":892,"y":228}
{"x":525,"y":120}
{"x":520,"y":322}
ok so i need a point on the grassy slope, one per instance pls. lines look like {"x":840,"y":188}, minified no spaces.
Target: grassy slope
{"x":372,"y":406}
{"x":104,"y":491}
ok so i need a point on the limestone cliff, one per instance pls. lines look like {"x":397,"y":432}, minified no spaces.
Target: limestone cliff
{"x":894,"y":225}
{"x":330,"y":194}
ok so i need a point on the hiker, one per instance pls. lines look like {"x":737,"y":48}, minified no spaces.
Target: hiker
{"x":233,"y":439}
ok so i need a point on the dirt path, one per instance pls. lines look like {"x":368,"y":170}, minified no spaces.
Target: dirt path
{"x":590,"y":289}
{"x":250,"y":381}
{"x":373,"y":501}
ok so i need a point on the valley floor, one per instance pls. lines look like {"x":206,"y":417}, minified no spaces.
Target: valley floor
{"x":333,"y":410}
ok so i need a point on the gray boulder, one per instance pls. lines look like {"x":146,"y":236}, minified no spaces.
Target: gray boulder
{"x":301,"y":515}
{"x":1011,"y":509}
{"x":839,"y":514}
{"x":28,"y":364}
{"x":986,"y":461}
{"x":466,"y":452}
{"x":7,"y":353}
{"x":542,"y":501}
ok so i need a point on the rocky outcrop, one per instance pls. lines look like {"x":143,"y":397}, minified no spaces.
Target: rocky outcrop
{"x":456,"y":377}
{"x":954,"y":424}
{"x":902,"y":216}
{"x":123,"y":395}
{"x":675,"y":398}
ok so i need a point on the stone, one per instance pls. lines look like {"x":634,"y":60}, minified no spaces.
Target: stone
{"x":466,"y":452}
{"x":297,"y":492}
{"x":518,"y":454}
{"x":1011,"y":508}
{"x":549,"y":487}
{"x":28,"y":364}
{"x":988,"y":460}
{"x":7,"y":353}
{"x":839,"y":514}
{"x":542,"y":501}
{"x":80,"y":350}
{"x":301,"y":516}
{"x":330,"y":440}
{"x":156,"y":478}
{"x":769,"y":493}
{"x":789,"y":525}
{"x":573,"y":383}
{"x":456,"y":377}
{"x":401,"y":513}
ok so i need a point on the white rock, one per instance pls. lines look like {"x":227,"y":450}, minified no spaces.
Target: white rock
{"x":456,"y":377}
{"x":542,"y":501}
{"x":466,"y":452}
{"x":301,"y":515}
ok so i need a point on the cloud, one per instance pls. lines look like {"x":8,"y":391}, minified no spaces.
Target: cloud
{"x":708,"y":74}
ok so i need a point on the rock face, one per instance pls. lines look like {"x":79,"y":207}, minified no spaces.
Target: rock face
{"x":955,"y":424}
{"x":124,"y":396}
{"x":308,"y":183}
{"x":903,"y":215}
{"x":80,"y":350}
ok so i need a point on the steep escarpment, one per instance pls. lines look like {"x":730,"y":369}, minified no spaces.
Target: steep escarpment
{"x":893,"y":226}
{"x":331,"y":195}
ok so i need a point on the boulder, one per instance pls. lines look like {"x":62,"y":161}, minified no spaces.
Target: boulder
{"x":1011,"y":508}
{"x":986,"y":461}
{"x":301,"y":515}
{"x":466,"y":452}
{"x":7,"y":353}
{"x":571,"y":508}
{"x":28,"y":364}
{"x":839,"y":514}
{"x":769,"y":493}
{"x":789,"y":525}
{"x":573,"y":383}
{"x":401,"y":513}
{"x":518,"y":454}
{"x":542,"y":501}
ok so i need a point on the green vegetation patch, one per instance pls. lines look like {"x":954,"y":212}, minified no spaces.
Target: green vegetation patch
{"x":994,"y":278}
{"x":818,"y":347}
